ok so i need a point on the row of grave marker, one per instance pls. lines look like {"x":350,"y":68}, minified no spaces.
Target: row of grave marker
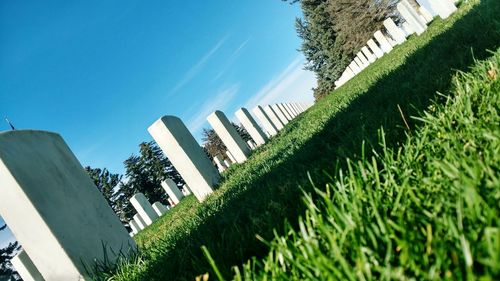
{"x":416,"y":21}
{"x":64,"y":223}
{"x":170,"y":128}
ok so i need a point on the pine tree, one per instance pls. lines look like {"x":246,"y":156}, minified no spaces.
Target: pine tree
{"x":6,"y":255}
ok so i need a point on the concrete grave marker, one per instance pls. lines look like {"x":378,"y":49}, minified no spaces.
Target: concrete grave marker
{"x":229,"y":136}
{"x":172,"y":190}
{"x":143,"y":208}
{"x":25,"y":267}
{"x":159,"y":208}
{"x":375,"y":49}
{"x":251,"y":126}
{"x":279,"y":113}
{"x":186,"y":155}
{"x":411,"y":16}
{"x":265,"y":120}
{"x":139,"y":221}
{"x":395,"y":32}
{"x":382,"y":40}
{"x":53,"y":207}
{"x":273,"y":117}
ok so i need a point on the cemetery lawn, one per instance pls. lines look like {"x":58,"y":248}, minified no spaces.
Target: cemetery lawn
{"x":424,"y":211}
{"x":260,"y":196}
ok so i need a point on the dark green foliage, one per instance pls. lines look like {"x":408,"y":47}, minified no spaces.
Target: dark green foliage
{"x":144,"y":173}
{"x":6,"y":255}
{"x":334,"y":31}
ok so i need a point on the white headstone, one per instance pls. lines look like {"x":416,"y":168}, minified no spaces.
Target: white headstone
{"x":227,"y":163}
{"x":407,"y":29}
{"x":143,"y":208}
{"x":382,"y":40}
{"x":134,"y":226}
{"x":285,"y":112}
{"x":251,"y":126}
{"x":25,"y":267}
{"x":229,"y":136}
{"x":139,"y":221}
{"x":265,"y":120}
{"x":443,"y":8}
{"x":273,"y":117}
{"x":371,"y":57}
{"x":279,"y":113}
{"x":363,"y":59}
{"x":220,"y":165}
{"x":53,"y":207}
{"x":411,"y":16}
{"x":426,"y":14}
{"x":359,"y":63}
{"x":290,"y":110}
{"x":172,"y":190}
{"x":374,"y":48}
{"x":186,"y":155}
{"x":395,"y":32}
{"x":159,"y":208}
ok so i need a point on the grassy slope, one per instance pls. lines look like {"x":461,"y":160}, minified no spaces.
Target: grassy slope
{"x":257,"y":197}
{"x":428,"y":210}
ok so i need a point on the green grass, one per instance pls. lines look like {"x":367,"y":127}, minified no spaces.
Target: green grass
{"x":428,"y":210}
{"x":258,"y":197}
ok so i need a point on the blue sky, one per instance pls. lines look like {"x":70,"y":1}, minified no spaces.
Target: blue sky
{"x":100,"y":72}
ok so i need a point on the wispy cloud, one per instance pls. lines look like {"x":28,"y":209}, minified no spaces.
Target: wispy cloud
{"x":218,"y":102}
{"x":232,"y":59}
{"x":292,"y":84}
{"x":195,"y":69}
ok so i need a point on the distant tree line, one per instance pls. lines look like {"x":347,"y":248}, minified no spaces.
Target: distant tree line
{"x":334,"y":31}
{"x":6,"y":255}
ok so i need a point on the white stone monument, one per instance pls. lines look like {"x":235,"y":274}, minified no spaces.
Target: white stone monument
{"x":273,"y":117}
{"x":251,"y":126}
{"x":363,"y":59}
{"x":265,"y":120}
{"x":229,"y":136}
{"x":172,"y":190}
{"x":134,"y":226}
{"x":143,"y":208}
{"x":159,"y":208}
{"x":411,"y":16}
{"x":220,"y":164}
{"x":53,"y":207}
{"x":375,"y":49}
{"x":443,"y":8}
{"x":186,"y":155}
{"x":359,"y":63}
{"x":227,"y":163}
{"x":371,"y":57}
{"x":285,"y":112}
{"x":382,"y":40}
{"x":279,"y":113}
{"x":396,"y":33}
{"x":139,"y":221}
{"x":25,"y":267}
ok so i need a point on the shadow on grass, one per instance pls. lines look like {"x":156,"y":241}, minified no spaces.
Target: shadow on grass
{"x":275,"y":197}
